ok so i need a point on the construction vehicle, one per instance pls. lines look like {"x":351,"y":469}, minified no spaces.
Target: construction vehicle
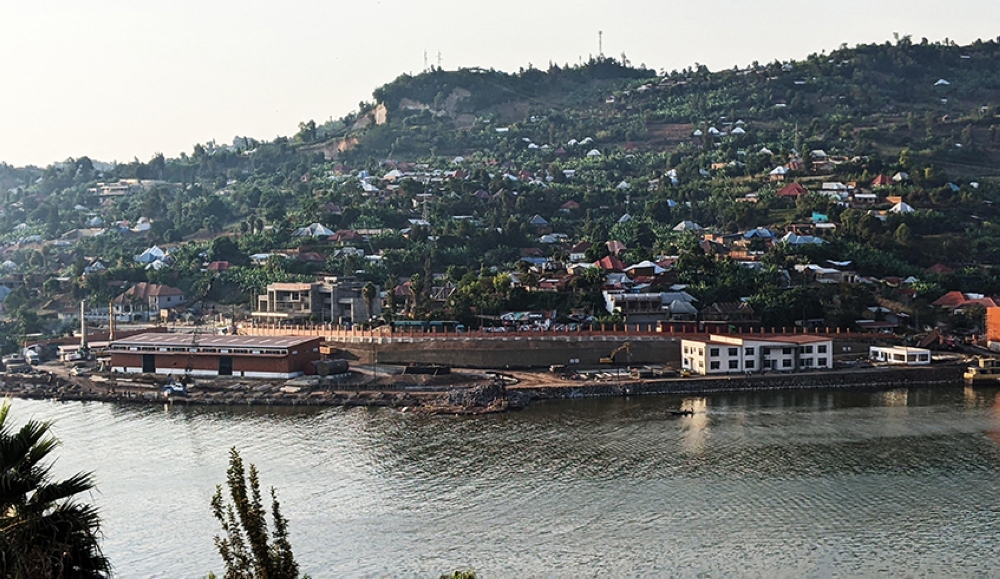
{"x":626,"y":347}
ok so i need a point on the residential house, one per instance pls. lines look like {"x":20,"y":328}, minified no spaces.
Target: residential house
{"x":737,"y":313}
{"x":957,"y":301}
{"x":615,"y":247}
{"x":649,"y":308}
{"x":314,"y":230}
{"x":610,"y":263}
{"x":578,"y":253}
{"x":143,"y":301}
{"x":95,"y":266}
{"x":332,"y":299}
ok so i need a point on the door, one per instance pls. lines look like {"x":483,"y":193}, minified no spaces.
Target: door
{"x":149,"y":363}
{"x":225,"y":366}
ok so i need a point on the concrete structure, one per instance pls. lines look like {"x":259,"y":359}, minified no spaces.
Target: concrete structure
{"x":337,"y":300}
{"x":649,"y":308}
{"x":211,"y":355}
{"x":900,"y":355}
{"x":743,"y":354}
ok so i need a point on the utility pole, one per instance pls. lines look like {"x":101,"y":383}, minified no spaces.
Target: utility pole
{"x":600,"y":43}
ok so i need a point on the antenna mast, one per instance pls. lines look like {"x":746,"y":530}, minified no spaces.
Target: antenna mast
{"x":425,"y":61}
{"x":600,"y":43}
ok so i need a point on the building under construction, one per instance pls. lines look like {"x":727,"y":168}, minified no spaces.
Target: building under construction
{"x":212,"y":355}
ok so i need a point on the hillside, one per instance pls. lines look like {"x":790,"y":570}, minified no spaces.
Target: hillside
{"x":875,"y":98}
{"x":466,"y":193}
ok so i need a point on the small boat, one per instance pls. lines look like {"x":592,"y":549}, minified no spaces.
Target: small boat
{"x":682,"y":413}
{"x":984,"y":371}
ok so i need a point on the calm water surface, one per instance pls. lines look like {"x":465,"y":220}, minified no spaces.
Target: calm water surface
{"x":806,"y":484}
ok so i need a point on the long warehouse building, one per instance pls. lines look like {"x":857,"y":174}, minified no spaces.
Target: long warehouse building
{"x":212,"y":355}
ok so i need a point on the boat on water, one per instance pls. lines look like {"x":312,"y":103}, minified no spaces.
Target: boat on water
{"x":984,"y":371}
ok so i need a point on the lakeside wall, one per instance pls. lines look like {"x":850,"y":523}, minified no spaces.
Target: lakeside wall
{"x":867,"y":378}
{"x":522,"y":350}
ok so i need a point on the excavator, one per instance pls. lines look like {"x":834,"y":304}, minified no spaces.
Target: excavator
{"x":626,"y":347}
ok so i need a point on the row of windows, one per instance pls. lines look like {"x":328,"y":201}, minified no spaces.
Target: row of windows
{"x":750,"y":351}
{"x":200,"y":350}
{"x":751,"y":365}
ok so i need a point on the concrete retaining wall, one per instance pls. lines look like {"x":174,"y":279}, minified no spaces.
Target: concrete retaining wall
{"x":514,"y":353}
{"x":874,"y":377}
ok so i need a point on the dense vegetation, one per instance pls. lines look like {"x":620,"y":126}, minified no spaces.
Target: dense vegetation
{"x":523,"y":145}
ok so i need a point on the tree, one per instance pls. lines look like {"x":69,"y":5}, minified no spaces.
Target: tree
{"x":369,"y":292}
{"x":246,"y":550}
{"x":903,"y":235}
{"x":44,"y":532}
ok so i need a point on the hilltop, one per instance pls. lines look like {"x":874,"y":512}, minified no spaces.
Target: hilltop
{"x":469,"y":194}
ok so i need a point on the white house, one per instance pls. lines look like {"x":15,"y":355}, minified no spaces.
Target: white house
{"x":314,"y":230}
{"x":900,"y":355}
{"x":721,"y":354}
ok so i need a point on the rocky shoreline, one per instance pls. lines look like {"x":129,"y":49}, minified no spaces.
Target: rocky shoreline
{"x":458,"y":399}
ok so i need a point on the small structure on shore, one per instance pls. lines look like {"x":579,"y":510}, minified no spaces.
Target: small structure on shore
{"x":900,"y":355}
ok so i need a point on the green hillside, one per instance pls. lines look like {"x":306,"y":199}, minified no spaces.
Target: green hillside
{"x":457,"y":176}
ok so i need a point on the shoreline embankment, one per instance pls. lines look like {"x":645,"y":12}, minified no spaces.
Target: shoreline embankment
{"x":476,"y":398}
{"x":859,"y":379}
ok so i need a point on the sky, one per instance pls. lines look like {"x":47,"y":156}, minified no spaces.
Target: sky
{"x":121,"y":79}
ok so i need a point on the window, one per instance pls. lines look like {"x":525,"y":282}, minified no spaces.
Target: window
{"x":734,"y":364}
{"x":748,"y":351}
{"x":713,"y":352}
{"x":806,"y":350}
{"x":786,"y":363}
{"x":821,"y":361}
{"x":701,"y":351}
{"x":924,"y":357}
{"x":767,"y":363}
{"x":686,"y":350}
{"x":734,"y":351}
{"x":786,"y":351}
{"x":701,"y":364}
{"x":821,"y":349}
{"x":807,"y":362}
{"x":765,"y":350}
{"x":748,"y":364}
{"x":714,"y":365}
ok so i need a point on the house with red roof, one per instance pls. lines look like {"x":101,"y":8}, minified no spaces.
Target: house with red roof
{"x":346,"y":236}
{"x":144,"y":300}
{"x":882,"y":181}
{"x":939,"y":269}
{"x":610,"y":263}
{"x":792,"y":191}
{"x":956,"y":301}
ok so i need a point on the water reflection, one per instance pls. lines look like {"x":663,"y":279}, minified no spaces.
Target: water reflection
{"x":810,"y":483}
{"x":994,"y":433}
{"x":895,"y":398}
{"x":695,"y":425}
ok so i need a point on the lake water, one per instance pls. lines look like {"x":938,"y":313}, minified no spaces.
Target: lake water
{"x":792,"y":484}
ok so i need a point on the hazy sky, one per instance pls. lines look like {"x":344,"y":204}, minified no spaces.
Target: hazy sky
{"x":117,"y":79}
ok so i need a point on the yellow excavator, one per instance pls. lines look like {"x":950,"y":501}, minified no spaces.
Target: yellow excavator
{"x":626,"y":347}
